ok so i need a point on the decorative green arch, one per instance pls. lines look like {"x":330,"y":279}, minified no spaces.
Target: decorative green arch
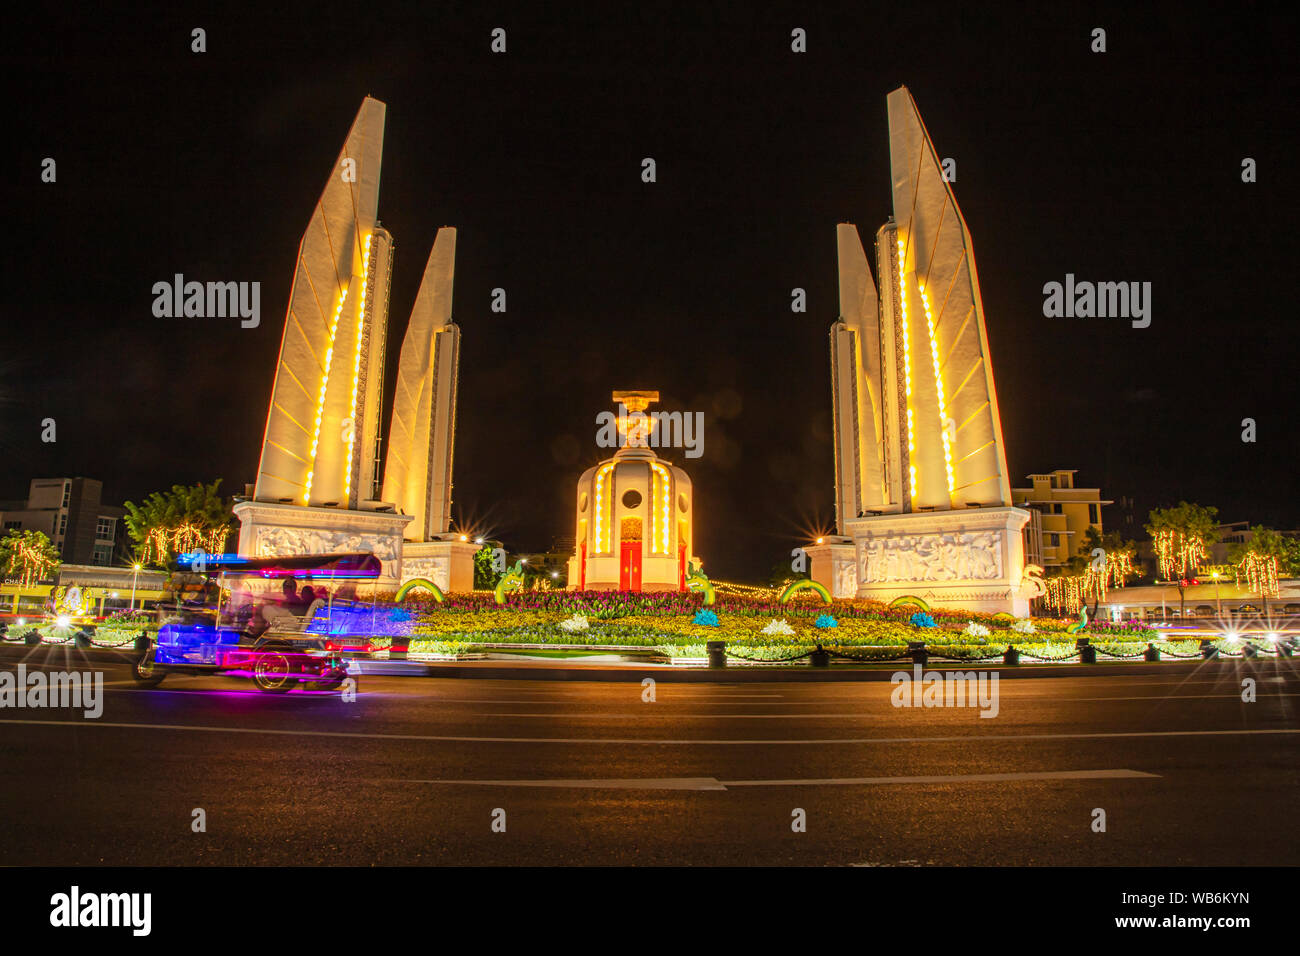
{"x":425,"y":583}
{"x":697,"y":580}
{"x":903,"y":600}
{"x":1004,"y":617}
{"x":805,"y":584}
{"x":1081,"y":623}
{"x":511,"y":581}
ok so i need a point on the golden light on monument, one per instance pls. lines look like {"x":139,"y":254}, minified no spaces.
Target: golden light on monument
{"x":634,"y":517}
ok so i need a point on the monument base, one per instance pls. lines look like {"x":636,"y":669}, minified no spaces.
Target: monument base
{"x":970,"y":559}
{"x":833,"y":565}
{"x":271,"y":530}
{"x":448,"y":564}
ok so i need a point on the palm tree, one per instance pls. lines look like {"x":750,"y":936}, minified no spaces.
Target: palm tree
{"x":181,"y":520}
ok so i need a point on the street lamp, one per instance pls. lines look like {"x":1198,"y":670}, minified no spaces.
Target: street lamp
{"x":134,"y":577}
{"x":1217,"y":597}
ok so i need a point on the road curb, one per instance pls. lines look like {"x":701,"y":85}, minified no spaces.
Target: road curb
{"x":759,"y":675}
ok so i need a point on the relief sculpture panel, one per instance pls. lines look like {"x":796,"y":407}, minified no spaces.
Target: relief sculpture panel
{"x":957,"y":556}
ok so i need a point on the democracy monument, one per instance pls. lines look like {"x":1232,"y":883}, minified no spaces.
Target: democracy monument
{"x":922,"y":498}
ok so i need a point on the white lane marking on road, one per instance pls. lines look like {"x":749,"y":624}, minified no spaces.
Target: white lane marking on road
{"x":952,"y":778}
{"x":711,"y":783}
{"x":358,"y":735}
{"x":1166,"y":698}
{"x":633,"y":783}
{"x":641,"y":715}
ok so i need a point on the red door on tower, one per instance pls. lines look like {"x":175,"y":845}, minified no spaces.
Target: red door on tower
{"x":629,"y":575}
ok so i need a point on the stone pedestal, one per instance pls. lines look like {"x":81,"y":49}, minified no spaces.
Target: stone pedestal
{"x":963,"y":559}
{"x":448,"y":564}
{"x":270,"y":530}
{"x":834,"y":566}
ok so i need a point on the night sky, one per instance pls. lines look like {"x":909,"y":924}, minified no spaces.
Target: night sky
{"x":1117,"y":166}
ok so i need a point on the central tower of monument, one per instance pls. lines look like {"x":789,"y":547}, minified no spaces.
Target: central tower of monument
{"x":635,"y":520}
{"x":921,"y":488}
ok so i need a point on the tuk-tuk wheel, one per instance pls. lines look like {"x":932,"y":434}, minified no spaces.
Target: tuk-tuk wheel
{"x":145,"y":672}
{"x":274,"y":669}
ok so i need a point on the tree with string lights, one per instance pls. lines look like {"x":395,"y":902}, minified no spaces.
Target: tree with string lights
{"x":1181,"y":537}
{"x":1267,"y":556}
{"x":29,"y":555}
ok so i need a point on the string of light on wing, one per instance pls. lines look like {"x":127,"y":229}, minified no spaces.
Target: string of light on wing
{"x":356,"y":367}
{"x":938,"y":381}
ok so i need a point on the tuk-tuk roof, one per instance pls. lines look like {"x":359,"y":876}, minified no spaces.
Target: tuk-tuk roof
{"x":356,"y":564}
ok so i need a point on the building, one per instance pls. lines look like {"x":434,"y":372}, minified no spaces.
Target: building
{"x":1231,"y":535}
{"x":1222,"y":601}
{"x":71,"y":513}
{"x":922,"y":499}
{"x":1060,"y":514}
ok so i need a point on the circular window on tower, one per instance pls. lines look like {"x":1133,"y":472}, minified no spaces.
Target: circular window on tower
{"x":631,"y":498}
{"x":681,"y":502}
{"x":582,"y":503}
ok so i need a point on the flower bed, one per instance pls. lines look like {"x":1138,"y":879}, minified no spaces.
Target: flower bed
{"x":678,"y":625}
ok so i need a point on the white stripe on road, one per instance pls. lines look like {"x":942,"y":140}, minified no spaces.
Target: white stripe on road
{"x":952,"y":778}
{"x":665,"y":783}
{"x":357,"y":735}
{"x":641,"y":714}
{"x":711,"y":783}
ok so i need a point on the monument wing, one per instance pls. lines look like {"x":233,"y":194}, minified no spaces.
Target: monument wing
{"x":330,"y":260}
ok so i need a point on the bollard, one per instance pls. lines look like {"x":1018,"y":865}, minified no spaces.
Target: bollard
{"x":820,"y":657}
{"x":1249,"y":650}
{"x":918,"y":652}
{"x":83,"y":640}
{"x":33,"y":637}
{"x":717,"y":653}
{"x":397,"y":650}
{"x":1208,"y":650}
{"x":1087,"y":653}
{"x":142,"y":642}
{"x":1012,"y":655}
{"x":1151,"y":653}
{"x":1284,"y":649}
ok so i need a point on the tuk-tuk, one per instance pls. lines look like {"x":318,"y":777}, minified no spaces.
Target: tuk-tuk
{"x":280,"y":621}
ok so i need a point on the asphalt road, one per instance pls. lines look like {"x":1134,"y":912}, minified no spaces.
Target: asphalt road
{"x":414,"y":770}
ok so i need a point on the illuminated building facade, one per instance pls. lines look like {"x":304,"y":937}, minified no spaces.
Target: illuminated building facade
{"x":1063,"y":513}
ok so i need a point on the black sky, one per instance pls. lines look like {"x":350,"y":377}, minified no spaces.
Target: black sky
{"x":1116,"y":166}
